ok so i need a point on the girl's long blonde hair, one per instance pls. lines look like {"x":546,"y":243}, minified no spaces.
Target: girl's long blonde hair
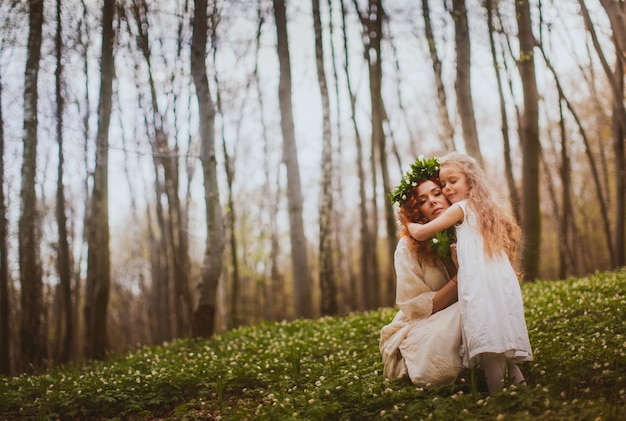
{"x":499,"y":230}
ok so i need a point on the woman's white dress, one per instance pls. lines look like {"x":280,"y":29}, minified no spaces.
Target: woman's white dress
{"x":490,"y":298}
{"x":423,"y":346}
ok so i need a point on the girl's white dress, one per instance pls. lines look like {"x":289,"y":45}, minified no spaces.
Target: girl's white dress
{"x":490,"y":299}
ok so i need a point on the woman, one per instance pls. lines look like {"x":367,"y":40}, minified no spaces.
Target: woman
{"x":424,"y":338}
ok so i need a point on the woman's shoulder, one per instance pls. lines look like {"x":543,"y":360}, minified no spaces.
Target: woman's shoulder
{"x":406,"y":249}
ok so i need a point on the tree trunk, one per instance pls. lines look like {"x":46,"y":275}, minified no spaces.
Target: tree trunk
{"x":235,"y":319}
{"x":328,"y":286}
{"x":203,"y":322}
{"x":620,"y":172}
{"x":99,"y":259}
{"x":300,"y":262}
{"x":344,"y":253}
{"x":5,"y":332}
{"x":275,"y":308}
{"x":588,"y":151}
{"x":616,"y":17}
{"x":616,"y":12}
{"x":508,"y":165}
{"x":463,"y":80}
{"x":372,"y":36}
{"x":531,"y":148}
{"x":65,"y":332}
{"x":444,"y":116}
{"x":565,"y":256}
{"x":362,"y":292}
{"x":33,"y":346}
{"x":167,"y":159}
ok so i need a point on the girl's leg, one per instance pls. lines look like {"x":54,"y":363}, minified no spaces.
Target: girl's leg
{"x":494,"y":366}
{"x":515,"y":374}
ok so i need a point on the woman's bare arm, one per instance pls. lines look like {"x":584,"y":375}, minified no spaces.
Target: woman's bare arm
{"x":446,"y":296}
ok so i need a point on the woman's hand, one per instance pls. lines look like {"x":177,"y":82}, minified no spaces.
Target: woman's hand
{"x":453,"y":255}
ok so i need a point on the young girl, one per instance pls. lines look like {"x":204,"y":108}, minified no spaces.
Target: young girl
{"x":494,"y":330}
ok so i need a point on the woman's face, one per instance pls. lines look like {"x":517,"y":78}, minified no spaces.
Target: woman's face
{"x":430,"y":200}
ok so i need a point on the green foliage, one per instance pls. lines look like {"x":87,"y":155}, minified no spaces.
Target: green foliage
{"x":440,"y":243}
{"x":330,"y":369}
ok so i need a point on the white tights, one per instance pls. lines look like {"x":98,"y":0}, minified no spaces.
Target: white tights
{"x":495,"y":367}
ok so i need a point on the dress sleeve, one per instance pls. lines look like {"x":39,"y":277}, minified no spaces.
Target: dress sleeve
{"x":413,"y":296}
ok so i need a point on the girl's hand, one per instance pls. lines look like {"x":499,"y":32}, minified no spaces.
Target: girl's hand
{"x":453,"y":255}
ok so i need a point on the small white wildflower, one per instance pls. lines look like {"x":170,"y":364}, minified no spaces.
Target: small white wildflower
{"x":435,"y":240}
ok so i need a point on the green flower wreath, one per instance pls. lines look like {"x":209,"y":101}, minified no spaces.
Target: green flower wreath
{"x":424,"y":169}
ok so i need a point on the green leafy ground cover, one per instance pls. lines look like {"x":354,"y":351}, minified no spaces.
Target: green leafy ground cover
{"x":330,"y":369}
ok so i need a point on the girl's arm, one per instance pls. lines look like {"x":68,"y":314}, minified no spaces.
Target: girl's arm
{"x":449,"y":217}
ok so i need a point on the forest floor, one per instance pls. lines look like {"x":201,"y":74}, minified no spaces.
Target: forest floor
{"x":330,"y":369}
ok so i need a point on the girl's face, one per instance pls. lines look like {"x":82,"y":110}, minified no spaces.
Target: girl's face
{"x":454,"y":183}
{"x":430,"y":200}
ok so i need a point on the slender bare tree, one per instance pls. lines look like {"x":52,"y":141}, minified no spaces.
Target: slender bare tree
{"x":328,"y":285}
{"x":531,"y":148}
{"x":32,"y":342}
{"x":99,"y":257}
{"x":372,"y":24}
{"x":5,"y":332}
{"x":165,"y":158}
{"x":504,"y":122}
{"x":275,"y":299}
{"x":299,"y":257}
{"x":616,"y":12}
{"x":64,"y":264}
{"x":343,"y":252}
{"x":444,"y":116}
{"x":465,"y":103}
{"x":203,"y":322}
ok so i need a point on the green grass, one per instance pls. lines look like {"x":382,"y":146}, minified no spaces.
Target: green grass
{"x":330,"y":369}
